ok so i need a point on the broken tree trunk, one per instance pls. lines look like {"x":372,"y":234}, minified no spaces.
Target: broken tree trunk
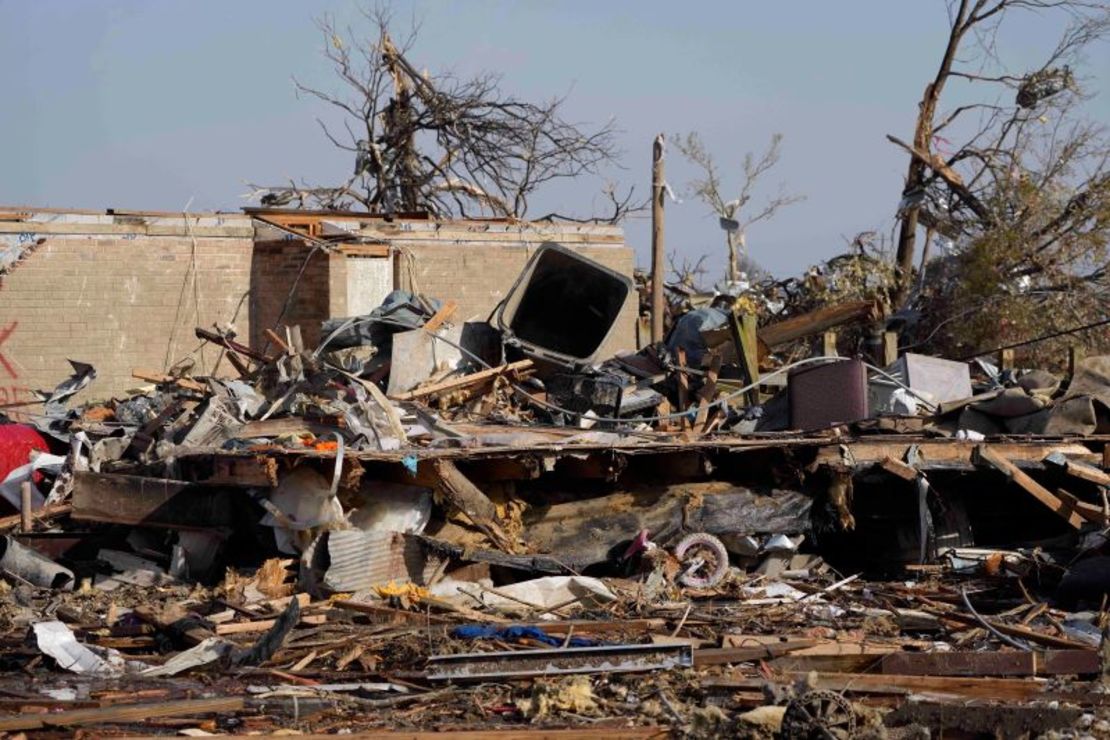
{"x":469,"y":499}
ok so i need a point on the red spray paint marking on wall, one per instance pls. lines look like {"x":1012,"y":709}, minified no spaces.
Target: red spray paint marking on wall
{"x":4,"y":362}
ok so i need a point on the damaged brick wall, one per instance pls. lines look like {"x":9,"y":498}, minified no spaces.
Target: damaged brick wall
{"x":479,"y":277}
{"x":274,"y":270}
{"x":116,"y":298}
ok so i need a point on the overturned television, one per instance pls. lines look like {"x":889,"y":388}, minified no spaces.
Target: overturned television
{"x":563,"y":307}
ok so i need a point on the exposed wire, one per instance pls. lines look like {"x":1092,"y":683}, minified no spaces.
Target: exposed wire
{"x":720,"y":402}
{"x":990,"y":627}
{"x":1042,"y":338}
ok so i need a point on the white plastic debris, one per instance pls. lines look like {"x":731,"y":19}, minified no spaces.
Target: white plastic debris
{"x":393,"y":507}
{"x":206,"y":651}
{"x":56,"y":640}
{"x":546,"y":593}
{"x":301,"y":503}
{"x":902,"y":403}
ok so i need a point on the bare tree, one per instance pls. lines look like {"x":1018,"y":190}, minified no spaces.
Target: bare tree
{"x":737,"y":217}
{"x":971,"y":187}
{"x":1023,"y":200}
{"x":437,"y":143}
{"x":688,"y":273}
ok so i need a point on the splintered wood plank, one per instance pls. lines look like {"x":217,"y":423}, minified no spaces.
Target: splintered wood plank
{"x":123,"y":713}
{"x":988,"y":455}
{"x":993,"y":663}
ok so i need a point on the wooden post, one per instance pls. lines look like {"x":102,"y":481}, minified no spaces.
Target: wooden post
{"x":890,"y":348}
{"x":1075,"y":356}
{"x":26,"y":521}
{"x":748,"y":330}
{"x":1005,"y":360}
{"x":658,"y":256}
{"x":828,"y":344}
{"x":684,"y":387}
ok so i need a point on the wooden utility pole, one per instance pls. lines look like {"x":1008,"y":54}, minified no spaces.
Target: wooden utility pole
{"x":658,"y":192}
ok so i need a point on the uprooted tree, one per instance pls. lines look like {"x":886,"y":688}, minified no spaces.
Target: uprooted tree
{"x":1023,"y":201}
{"x":435,"y":143}
{"x":737,"y":214}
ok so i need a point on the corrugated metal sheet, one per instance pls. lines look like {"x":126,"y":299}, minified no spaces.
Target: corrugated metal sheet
{"x":362,"y":560}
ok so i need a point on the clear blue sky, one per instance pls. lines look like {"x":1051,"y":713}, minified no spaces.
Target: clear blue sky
{"x":149,"y":104}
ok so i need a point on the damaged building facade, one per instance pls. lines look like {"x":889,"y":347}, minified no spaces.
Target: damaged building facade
{"x":124,"y":290}
{"x":308,"y":465}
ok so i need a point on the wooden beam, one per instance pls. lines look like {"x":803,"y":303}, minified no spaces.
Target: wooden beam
{"x":1013,"y":630}
{"x":242,"y":472}
{"x":1088,"y":473}
{"x":1004,"y":689}
{"x":828,"y":344}
{"x":274,"y":337}
{"x":683,"y":387}
{"x":814,"y":322}
{"x":707,"y":393}
{"x":1032,"y":487}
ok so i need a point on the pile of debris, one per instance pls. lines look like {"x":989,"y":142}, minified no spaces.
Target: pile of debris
{"x":487,"y":526}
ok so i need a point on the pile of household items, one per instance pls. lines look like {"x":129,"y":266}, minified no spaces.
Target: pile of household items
{"x":490,"y":527}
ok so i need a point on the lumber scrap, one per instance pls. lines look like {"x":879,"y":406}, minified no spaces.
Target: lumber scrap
{"x":1079,"y":470}
{"x":441,"y":316}
{"x":241,"y":472}
{"x":45,"y":514}
{"x":153,"y":376}
{"x":466,"y":381}
{"x":1036,"y":490}
{"x":1013,"y":630}
{"x":726,"y":655}
{"x":230,"y":344}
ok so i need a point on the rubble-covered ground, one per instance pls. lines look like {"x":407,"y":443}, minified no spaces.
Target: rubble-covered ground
{"x":427,"y":526}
